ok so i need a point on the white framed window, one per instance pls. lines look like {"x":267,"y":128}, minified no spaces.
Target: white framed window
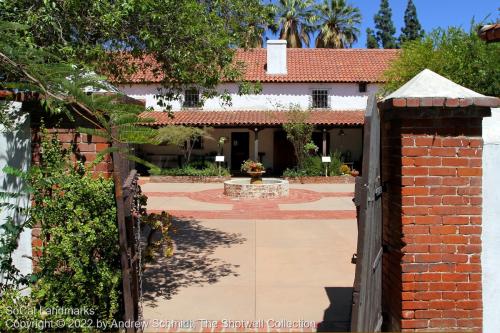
{"x":191,"y":98}
{"x":319,"y":98}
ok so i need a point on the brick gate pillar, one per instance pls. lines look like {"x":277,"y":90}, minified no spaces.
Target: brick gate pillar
{"x":431,"y":169}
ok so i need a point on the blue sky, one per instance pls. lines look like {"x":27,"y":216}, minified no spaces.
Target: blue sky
{"x":431,"y":13}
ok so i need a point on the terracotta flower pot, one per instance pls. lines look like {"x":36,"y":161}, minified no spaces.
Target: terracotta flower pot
{"x":256,"y":176}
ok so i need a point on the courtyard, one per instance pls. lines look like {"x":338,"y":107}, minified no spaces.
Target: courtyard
{"x":273,"y":260}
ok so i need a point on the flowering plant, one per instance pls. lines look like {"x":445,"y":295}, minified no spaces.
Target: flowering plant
{"x":344,"y":169}
{"x":252,"y":166}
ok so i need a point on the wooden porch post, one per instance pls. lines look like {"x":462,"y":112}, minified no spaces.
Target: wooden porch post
{"x":324,"y":141}
{"x":256,"y":145}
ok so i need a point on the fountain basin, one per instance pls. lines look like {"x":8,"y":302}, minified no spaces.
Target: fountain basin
{"x":270,"y":188}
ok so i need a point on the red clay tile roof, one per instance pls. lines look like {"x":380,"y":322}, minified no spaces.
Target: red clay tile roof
{"x":251,"y":118}
{"x":320,"y":65}
{"x":304,"y":65}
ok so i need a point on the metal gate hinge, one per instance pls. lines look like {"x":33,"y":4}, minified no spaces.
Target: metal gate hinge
{"x":377,"y":193}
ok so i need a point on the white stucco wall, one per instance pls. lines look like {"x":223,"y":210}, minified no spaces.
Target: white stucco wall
{"x":15,"y":151}
{"x":342,"y":96}
{"x":491,"y":223}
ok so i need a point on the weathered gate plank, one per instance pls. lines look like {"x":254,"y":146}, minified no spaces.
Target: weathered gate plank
{"x":367,"y":294}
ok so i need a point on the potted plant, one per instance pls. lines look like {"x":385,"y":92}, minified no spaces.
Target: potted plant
{"x":311,"y":148}
{"x":254,"y":169}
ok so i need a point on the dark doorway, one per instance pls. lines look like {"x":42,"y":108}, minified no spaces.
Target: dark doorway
{"x":240,"y":152}
{"x":317,"y":138}
{"x":284,"y":155}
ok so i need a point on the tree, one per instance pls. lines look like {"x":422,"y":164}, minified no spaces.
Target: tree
{"x":385,"y":26}
{"x":412,"y":29}
{"x":453,"y":53}
{"x":184,"y":137}
{"x":295,"y":20}
{"x":337,"y":24}
{"x":59,"y":86}
{"x":190,"y":41}
{"x":299,"y":133}
{"x":371,"y":40}
{"x":256,"y":29}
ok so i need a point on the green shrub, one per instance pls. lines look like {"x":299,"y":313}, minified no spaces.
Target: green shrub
{"x":313,"y":166}
{"x":79,"y":266}
{"x":16,"y":307}
{"x":334,"y":166}
{"x":196,"y":169}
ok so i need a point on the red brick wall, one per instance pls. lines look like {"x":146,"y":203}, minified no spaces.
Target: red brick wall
{"x":83,"y":147}
{"x":432,"y":223}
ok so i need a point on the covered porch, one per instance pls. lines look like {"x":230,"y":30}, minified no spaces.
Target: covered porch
{"x":257,"y":135}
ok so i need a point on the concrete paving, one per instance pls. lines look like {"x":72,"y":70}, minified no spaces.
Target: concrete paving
{"x":325,"y":187}
{"x":253,"y":269}
{"x":323,"y":204}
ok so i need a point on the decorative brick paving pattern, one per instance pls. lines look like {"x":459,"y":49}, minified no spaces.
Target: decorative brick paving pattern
{"x":257,"y":208}
{"x":217,"y":196}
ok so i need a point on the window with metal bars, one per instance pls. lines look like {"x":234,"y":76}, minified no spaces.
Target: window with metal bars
{"x":320,"y":98}
{"x":191,"y":98}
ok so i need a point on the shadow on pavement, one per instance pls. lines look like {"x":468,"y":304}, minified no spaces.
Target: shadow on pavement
{"x":192,"y":262}
{"x":337,"y":317}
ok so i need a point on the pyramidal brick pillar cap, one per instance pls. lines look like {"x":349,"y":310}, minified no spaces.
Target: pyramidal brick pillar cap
{"x":429,"y":90}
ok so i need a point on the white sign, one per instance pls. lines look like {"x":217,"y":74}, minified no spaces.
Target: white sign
{"x":326,"y":159}
{"x":219,"y":158}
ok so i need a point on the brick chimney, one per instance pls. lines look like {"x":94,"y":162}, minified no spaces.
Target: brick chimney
{"x":276,"y":57}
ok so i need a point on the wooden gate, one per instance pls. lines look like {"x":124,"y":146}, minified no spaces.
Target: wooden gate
{"x":367,"y":291}
{"x":126,"y":187}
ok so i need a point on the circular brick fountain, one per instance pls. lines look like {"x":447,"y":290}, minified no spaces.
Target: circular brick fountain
{"x":270,"y":188}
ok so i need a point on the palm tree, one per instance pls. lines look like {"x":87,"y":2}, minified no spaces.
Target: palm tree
{"x":255,"y":30}
{"x":338,"y":24}
{"x":295,"y":19}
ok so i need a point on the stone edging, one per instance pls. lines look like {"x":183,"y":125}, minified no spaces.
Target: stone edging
{"x":188,"y":179}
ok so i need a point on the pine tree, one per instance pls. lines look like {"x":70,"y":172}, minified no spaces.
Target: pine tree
{"x":385,"y":26}
{"x":412,"y":29}
{"x":371,"y":40}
